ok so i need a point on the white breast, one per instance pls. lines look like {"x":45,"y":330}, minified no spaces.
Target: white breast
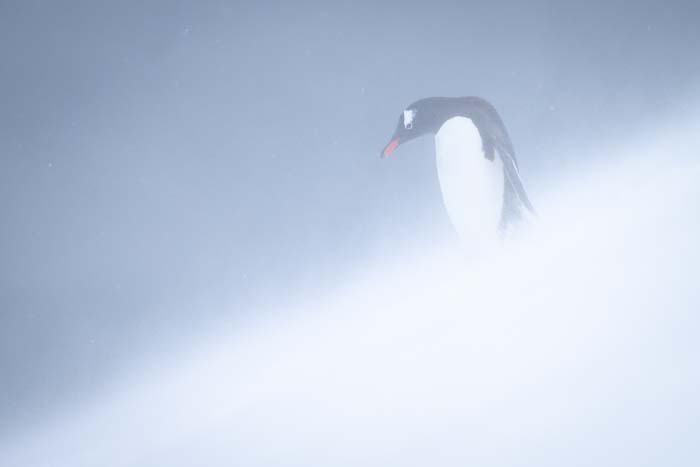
{"x":472,"y":186}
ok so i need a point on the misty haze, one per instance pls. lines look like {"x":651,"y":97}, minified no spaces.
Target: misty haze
{"x":205,"y":260}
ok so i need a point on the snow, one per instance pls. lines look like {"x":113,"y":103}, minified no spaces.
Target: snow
{"x":573,"y":345}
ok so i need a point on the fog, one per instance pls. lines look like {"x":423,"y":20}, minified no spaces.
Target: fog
{"x":573,"y":343}
{"x":205,"y":261}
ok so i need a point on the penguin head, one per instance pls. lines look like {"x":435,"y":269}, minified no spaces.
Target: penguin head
{"x":423,"y":117}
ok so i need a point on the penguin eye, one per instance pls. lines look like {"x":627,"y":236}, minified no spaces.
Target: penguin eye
{"x":408,"y":118}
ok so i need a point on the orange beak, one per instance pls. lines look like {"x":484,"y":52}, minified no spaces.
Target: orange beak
{"x":390,"y":147}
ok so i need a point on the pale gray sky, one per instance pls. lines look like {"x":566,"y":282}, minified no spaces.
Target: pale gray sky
{"x":156,"y":158}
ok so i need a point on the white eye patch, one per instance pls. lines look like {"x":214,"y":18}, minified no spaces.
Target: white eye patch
{"x":408,"y":118}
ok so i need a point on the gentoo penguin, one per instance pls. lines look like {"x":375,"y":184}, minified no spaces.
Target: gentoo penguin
{"x":481,"y":187}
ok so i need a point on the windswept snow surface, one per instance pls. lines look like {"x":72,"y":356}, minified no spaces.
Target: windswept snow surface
{"x":574,"y":344}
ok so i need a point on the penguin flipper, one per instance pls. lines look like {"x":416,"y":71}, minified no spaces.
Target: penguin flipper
{"x":512,"y":176}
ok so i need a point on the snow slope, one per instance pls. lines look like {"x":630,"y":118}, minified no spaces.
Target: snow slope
{"x":574,"y":344}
